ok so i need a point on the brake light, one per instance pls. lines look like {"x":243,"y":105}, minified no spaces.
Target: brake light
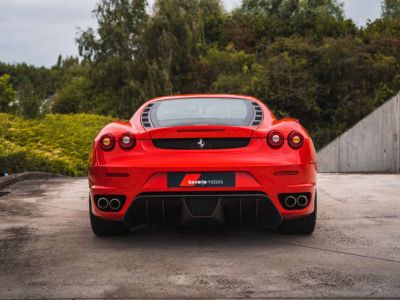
{"x":275,"y":139}
{"x":127,"y":140}
{"x":107,"y":142}
{"x":295,"y":140}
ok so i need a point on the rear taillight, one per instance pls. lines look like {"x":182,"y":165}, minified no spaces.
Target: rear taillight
{"x":127,"y":140}
{"x":275,"y":139}
{"x":107,"y":142}
{"x":295,"y":140}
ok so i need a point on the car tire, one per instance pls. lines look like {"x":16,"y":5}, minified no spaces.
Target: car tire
{"x":305,"y":225}
{"x":102,"y":227}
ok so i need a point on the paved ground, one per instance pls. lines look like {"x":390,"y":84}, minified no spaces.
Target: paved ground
{"x":47,"y":249}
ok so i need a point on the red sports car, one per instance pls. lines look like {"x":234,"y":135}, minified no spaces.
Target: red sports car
{"x":203,"y":158}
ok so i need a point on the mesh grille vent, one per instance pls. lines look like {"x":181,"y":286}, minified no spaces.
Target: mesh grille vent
{"x":146,"y":116}
{"x":258,"y":114}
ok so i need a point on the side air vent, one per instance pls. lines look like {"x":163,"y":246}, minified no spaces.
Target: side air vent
{"x":258,"y":114}
{"x":146,"y":122}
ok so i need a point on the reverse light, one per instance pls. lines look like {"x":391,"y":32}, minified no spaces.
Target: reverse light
{"x":107,"y":142}
{"x":127,"y":141}
{"x":275,"y":139}
{"x":295,"y":140}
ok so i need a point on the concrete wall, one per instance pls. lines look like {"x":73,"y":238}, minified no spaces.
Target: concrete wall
{"x":372,"y":145}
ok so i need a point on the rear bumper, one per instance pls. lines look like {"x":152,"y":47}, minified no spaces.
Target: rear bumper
{"x":270,"y":181}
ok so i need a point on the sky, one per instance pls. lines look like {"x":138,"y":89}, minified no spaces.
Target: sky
{"x":37,"y":31}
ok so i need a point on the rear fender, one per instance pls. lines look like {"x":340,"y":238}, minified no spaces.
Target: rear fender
{"x":286,"y":126}
{"x":116,"y":129}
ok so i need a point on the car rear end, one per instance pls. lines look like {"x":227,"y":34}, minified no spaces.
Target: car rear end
{"x":203,"y":159}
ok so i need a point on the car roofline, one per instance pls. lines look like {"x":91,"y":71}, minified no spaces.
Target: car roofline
{"x":188,"y":96}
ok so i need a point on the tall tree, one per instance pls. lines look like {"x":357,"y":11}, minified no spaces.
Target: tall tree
{"x":7,"y":93}
{"x":267,"y":20}
{"x":290,"y":8}
{"x":111,"y":49}
{"x":29,"y":102}
{"x":391,"y":9}
{"x":117,"y":35}
{"x":174,"y":40}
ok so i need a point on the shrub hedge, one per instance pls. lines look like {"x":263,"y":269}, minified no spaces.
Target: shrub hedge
{"x":54,"y":143}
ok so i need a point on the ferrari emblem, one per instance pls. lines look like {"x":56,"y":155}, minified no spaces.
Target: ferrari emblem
{"x":201,"y":143}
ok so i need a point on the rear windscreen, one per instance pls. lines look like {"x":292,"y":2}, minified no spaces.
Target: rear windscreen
{"x":202,"y":111}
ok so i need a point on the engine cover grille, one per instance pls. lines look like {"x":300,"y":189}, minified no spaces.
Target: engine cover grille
{"x":201,"y":144}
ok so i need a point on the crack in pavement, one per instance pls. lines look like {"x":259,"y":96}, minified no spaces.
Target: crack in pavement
{"x":339,"y":252}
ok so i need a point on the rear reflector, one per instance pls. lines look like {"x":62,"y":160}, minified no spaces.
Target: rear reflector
{"x":285,"y":173}
{"x":117,"y":174}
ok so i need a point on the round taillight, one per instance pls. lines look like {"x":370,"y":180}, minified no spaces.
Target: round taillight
{"x":275,"y":139}
{"x":127,"y":141}
{"x":107,"y":142}
{"x":295,"y":140}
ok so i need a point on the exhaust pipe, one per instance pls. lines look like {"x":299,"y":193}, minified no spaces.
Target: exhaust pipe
{"x":102,"y":203}
{"x":290,"y":201}
{"x":302,"y":201}
{"x":115,"y":204}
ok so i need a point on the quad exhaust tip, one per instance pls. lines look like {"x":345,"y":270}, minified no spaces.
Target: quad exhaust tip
{"x":115,"y":204}
{"x":102,"y":203}
{"x":302,"y":201}
{"x":109,"y":203}
{"x":295,"y":201}
{"x":290,"y":201}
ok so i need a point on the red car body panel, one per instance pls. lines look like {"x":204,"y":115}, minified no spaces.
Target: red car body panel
{"x":257,"y":167}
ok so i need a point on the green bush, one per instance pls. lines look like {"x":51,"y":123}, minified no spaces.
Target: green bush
{"x":54,"y":143}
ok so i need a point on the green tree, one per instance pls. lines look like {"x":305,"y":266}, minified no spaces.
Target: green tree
{"x":391,"y":9}
{"x":290,"y":8}
{"x":29,"y":102}
{"x":75,"y":92}
{"x":181,"y":31}
{"x":262,"y":21}
{"x":386,"y":26}
{"x":119,"y":26}
{"x":229,"y":70}
{"x":111,"y":50}
{"x":71,"y":97}
{"x":45,"y":81}
{"x":7,"y":94}
{"x":287,"y":80}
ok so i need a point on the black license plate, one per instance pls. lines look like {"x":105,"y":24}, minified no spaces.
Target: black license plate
{"x":184,"y":180}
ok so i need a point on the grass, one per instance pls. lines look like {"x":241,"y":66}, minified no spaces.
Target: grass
{"x":54,"y":143}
